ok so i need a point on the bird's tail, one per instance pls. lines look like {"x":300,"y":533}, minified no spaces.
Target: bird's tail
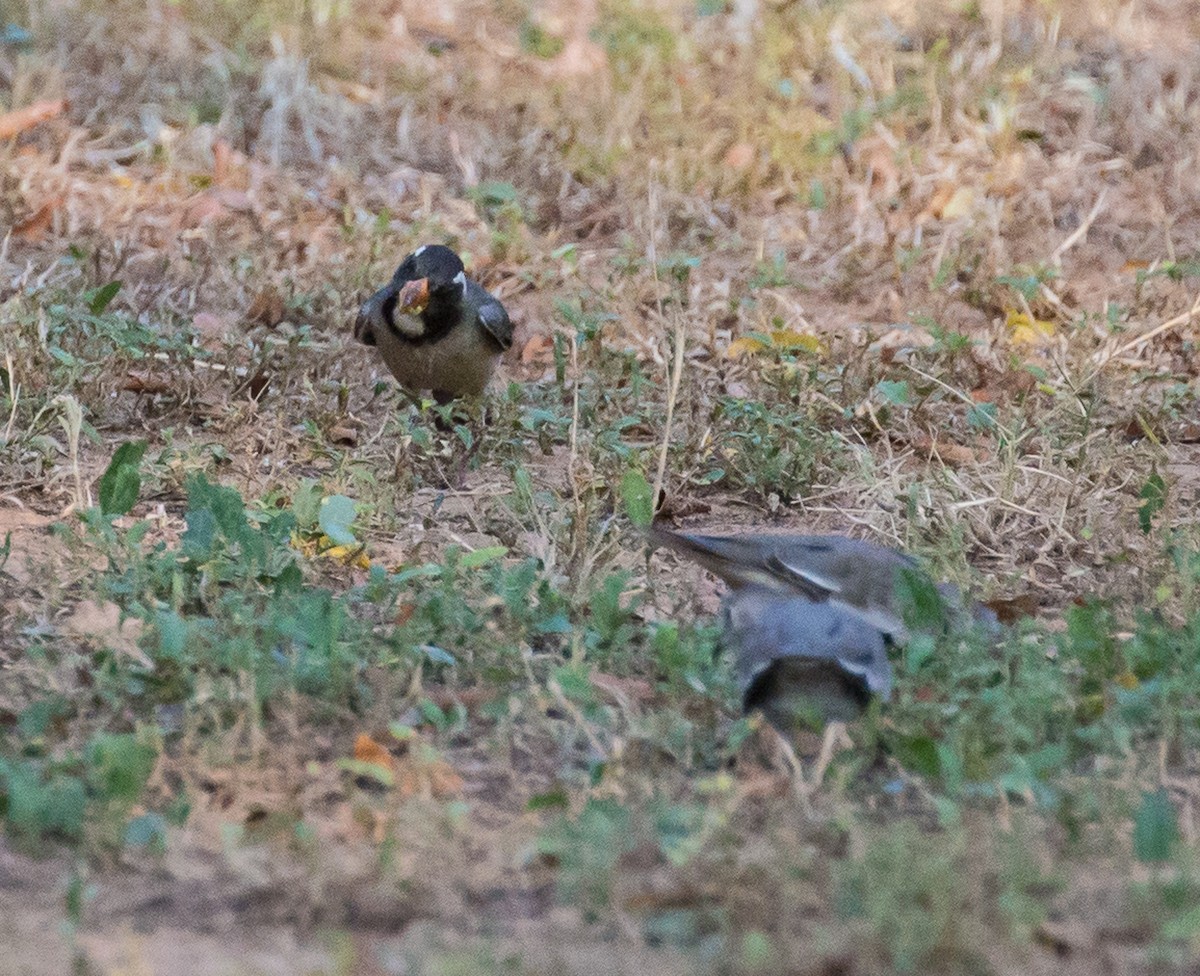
{"x":737,"y":562}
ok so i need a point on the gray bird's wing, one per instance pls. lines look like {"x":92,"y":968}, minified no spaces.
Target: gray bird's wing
{"x":857,"y":574}
{"x":490,"y":314}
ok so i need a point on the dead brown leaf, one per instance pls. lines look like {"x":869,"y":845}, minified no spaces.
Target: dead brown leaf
{"x":344,"y":435}
{"x":948,"y":452}
{"x":739,"y":156}
{"x":629,"y":689}
{"x":434,"y":778}
{"x":267,"y":307}
{"x":34,"y":227}
{"x":1011,"y":609}
{"x":1005,"y":387}
{"x":99,"y":624}
{"x":215,"y":204}
{"x":222,"y":160}
{"x":539,"y":351}
{"x":19,"y":120}
{"x":212,"y":329}
{"x":141,"y":381}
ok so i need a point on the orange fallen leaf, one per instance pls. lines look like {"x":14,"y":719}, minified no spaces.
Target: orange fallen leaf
{"x":937,"y":202}
{"x":222,"y":158}
{"x":538,"y":350}
{"x":367,"y":750}
{"x":959,"y":204}
{"x":19,"y":120}
{"x":34,"y":227}
{"x":949,"y":453}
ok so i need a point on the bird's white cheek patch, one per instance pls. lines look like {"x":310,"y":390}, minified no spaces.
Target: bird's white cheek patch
{"x":410,"y":326}
{"x":460,"y":279}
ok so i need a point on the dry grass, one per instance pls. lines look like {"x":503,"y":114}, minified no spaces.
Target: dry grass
{"x":963,"y":243}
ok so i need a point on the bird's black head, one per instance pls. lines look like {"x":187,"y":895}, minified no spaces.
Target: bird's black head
{"x":439,"y":265}
{"x":423,"y":301}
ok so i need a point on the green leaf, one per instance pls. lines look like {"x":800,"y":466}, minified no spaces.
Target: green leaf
{"x":1154,"y":497}
{"x":757,"y":950}
{"x":638,"y":498}
{"x":481,"y":557}
{"x":1154,"y":828}
{"x":894,"y":392}
{"x":306,"y":504}
{"x":1184,"y":926}
{"x":200,"y":537}
{"x":99,"y":298}
{"x":39,"y":805}
{"x":554,"y":798}
{"x":919,"y":754}
{"x":119,"y":765}
{"x":919,"y":650}
{"x":146,"y":830}
{"x":982,"y":416}
{"x":576,"y":683}
{"x":121,"y":482}
{"x":367,"y":770}
{"x":337,"y":515}
{"x":173,"y":634}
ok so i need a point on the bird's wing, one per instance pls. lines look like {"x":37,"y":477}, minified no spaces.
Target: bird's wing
{"x":857,"y":575}
{"x":490,"y":315}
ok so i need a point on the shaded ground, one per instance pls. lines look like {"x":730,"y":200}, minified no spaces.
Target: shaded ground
{"x":935,"y":276}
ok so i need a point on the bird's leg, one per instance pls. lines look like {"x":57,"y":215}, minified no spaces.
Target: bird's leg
{"x":834,"y":739}
{"x":443,"y":419}
{"x":444,"y":399}
{"x":414,"y":399}
{"x":795,"y":769}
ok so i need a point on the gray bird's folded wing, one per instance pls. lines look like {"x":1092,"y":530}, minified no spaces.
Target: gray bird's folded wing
{"x":491,"y":315}
{"x":859,"y":575}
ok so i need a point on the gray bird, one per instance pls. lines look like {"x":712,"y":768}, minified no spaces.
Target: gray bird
{"x":435,"y":328}
{"x":864,"y":578}
{"x":810,"y":617}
